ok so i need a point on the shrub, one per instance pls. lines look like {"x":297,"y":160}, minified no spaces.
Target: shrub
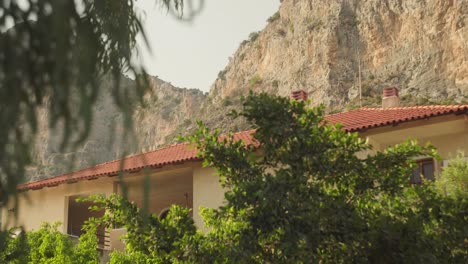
{"x":423,"y":100}
{"x":222,"y":75}
{"x":226,"y":102}
{"x":255,"y":80}
{"x":281,"y":32}
{"x":274,"y":17}
{"x":48,"y":245}
{"x":149,"y":239}
{"x":242,"y":56}
{"x":314,"y":25}
{"x":244,"y":42}
{"x":291,"y":27}
{"x":275,"y":84}
{"x":366,"y":89}
{"x":253,"y":36}
{"x":453,"y":181}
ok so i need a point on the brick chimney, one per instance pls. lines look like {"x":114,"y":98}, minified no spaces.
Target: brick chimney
{"x":299,"y":95}
{"x":390,"y":98}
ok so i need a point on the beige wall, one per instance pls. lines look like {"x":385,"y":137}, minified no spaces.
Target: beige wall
{"x":448,"y":134}
{"x":165,"y":188}
{"x":50,"y":204}
{"x":173,"y":185}
{"x":207,"y":192}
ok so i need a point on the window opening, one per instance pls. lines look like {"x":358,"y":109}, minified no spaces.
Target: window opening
{"x":424,"y":170}
{"x":164,"y":213}
{"x":78,"y":214}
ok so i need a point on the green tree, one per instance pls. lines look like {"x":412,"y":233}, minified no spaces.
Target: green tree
{"x":453,"y":181}
{"x":48,"y":245}
{"x":301,"y":194}
{"x":149,"y":239}
{"x":54,"y":54}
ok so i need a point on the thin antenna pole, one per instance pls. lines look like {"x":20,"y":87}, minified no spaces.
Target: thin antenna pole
{"x":360,"y":84}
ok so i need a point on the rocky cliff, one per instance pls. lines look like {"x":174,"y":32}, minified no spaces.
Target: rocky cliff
{"x":322,"y":47}
{"x":421,"y":46}
{"x":165,"y":108}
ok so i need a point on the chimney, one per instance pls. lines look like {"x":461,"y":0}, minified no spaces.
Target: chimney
{"x":299,"y":95}
{"x":390,"y":98}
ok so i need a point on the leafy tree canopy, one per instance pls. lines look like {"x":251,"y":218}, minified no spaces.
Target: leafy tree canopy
{"x":453,"y":181}
{"x":303,"y":196}
{"x":54,"y":57}
{"x":48,"y":245}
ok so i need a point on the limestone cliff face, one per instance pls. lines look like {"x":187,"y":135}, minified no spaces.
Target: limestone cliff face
{"x":165,"y":108}
{"x":421,"y":46}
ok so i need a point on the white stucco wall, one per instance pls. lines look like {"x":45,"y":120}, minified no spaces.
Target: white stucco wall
{"x":50,"y":204}
{"x":448,"y":135}
{"x":207,"y":192}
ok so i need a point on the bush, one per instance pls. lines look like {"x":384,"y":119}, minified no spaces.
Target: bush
{"x":314,"y":25}
{"x":222,"y":75}
{"x":48,"y":245}
{"x":255,"y":80}
{"x":275,"y":84}
{"x":253,"y":36}
{"x":149,"y":239}
{"x":281,"y":32}
{"x":274,"y":17}
{"x":453,"y":181}
{"x":291,"y":27}
{"x":226,"y":102}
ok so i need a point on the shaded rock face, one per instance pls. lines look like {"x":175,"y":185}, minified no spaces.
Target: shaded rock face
{"x":165,"y":107}
{"x":421,"y":46}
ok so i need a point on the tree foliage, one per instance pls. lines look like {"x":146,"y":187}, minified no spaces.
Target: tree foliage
{"x":453,"y":181}
{"x":303,"y":195}
{"x":54,"y":57}
{"x":149,"y":239}
{"x":48,"y":245}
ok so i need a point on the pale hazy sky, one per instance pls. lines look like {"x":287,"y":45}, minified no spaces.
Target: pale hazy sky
{"x":191,"y":54}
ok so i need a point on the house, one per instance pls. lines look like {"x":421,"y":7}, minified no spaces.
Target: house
{"x":176,"y":175}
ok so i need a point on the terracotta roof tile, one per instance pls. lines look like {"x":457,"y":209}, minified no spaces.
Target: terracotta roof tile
{"x":363,"y":118}
{"x":164,"y":156}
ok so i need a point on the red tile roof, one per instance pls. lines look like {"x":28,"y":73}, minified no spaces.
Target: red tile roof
{"x":174,"y":154}
{"x":365,"y":118}
{"x":356,"y":120}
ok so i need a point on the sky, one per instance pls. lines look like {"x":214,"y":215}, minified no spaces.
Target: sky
{"x":190,"y":54}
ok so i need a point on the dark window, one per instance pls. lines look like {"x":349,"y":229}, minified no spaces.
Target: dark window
{"x":425,"y":170}
{"x":164,"y":214}
{"x":78,"y":214}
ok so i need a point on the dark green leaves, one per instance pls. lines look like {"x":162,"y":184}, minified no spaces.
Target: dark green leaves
{"x":311,"y":196}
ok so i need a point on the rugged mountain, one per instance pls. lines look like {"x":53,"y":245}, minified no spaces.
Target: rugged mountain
{"x":323,"y":47}
{"x":319,"y":46}
{"x":421,"y":46}
{"x":165,"y":108}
